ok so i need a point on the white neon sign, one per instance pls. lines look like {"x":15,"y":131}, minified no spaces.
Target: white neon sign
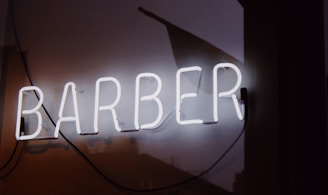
{"x":107,"y":107}
{"x":74,"y":118}
{"x":152,"y":97}
{"x":229,"y":93}
{"x":180,"y":96}
{"x":26,"y":112}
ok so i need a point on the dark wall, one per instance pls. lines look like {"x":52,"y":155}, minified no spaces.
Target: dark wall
{"x":286,"y":138}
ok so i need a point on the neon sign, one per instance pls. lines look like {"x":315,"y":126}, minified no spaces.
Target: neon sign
{"x":70,"y":87}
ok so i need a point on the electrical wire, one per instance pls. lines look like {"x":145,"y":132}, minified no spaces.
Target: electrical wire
{"x":11,"y":158}
{"x":91,"y":164}
{"x":4,"y":166}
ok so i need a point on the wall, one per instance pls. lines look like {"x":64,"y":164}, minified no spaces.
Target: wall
{"x":83,"y":41}
{"x":286,"y":142}
{"x":3,"y":18}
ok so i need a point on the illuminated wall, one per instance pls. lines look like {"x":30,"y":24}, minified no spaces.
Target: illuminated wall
{"x":81,"y":42}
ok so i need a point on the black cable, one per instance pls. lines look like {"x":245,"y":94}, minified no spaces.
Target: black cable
{"x":17,"y":42}
{"x":10,"y":158}
{"x":12,"y":155}
{"x":105,"y":177}
{"x":16,"y":163}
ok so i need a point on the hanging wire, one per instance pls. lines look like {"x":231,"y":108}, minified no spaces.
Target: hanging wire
{"x":9,"y":160}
